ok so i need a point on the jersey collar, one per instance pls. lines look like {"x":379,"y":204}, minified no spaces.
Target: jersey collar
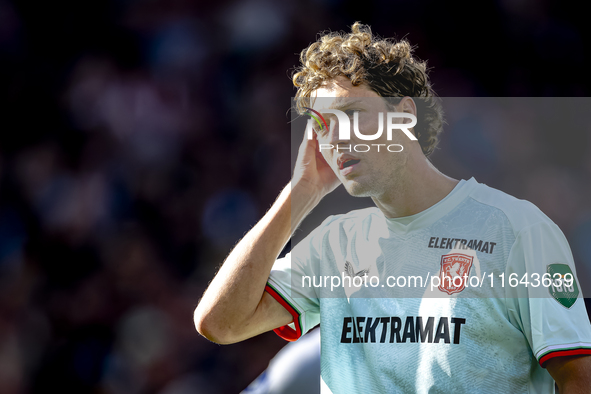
{"x":426,"y":218}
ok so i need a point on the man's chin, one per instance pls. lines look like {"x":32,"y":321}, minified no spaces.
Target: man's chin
{"x":357,"y":189}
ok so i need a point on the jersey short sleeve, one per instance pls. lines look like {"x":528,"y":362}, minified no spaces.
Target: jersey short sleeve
{"x":546,"y":306}
{"x":301,"y":301}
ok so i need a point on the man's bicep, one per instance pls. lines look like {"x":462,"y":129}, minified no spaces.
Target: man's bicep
{"x":572,"y":373}
{"x":273,"y":312}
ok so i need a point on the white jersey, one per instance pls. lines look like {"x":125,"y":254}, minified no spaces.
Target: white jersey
{"x":500,"y":310}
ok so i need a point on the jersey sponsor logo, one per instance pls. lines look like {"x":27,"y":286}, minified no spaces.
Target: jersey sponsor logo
{"x":564,"y":288}
{"x":393,"y":329}
{"x":454,"y":272}
{"x":462,"y":244}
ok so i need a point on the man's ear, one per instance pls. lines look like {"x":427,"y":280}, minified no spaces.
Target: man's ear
{"x":407,"y":105}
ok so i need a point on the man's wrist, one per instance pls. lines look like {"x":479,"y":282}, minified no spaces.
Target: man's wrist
{"x":302,"y":199}
{"x":303,"y":194}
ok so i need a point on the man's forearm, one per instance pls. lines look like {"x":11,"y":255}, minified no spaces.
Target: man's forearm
{"x":233,"y":296}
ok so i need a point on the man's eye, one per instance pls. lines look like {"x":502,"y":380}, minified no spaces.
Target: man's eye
{"x":350,"y":112}
{"x":319,"y":130}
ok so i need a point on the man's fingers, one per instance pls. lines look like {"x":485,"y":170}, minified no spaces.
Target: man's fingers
{"x":308,"y":147}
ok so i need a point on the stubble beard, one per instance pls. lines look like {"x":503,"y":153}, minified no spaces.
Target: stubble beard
{"x":363,"y":188}
{"x":378,"y":185}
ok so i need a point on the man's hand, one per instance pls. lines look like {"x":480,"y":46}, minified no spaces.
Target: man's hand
{"x":313,"y":172}
{"x":571,"y":373}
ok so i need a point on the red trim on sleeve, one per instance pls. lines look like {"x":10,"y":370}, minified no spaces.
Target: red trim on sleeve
{"x":286,"y":332}
{"x":561,"y":353}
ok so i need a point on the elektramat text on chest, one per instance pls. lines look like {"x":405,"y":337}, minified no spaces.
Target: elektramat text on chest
{"x":392,"y":329}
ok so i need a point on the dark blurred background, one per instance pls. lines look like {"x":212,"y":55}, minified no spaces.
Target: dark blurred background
{"x":140,"y":139}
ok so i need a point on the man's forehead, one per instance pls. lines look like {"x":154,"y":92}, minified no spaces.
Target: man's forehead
{"x":339,"y":93}
{"x":325,"y":102}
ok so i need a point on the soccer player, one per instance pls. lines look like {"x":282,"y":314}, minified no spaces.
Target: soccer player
{"x":451,"y":337}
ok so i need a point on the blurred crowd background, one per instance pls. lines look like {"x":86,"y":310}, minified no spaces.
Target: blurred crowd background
{"x":140,"y":139}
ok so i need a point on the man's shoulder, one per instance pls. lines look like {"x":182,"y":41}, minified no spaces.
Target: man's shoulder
{"x":359,"y":220}
{"x":520,"y":213}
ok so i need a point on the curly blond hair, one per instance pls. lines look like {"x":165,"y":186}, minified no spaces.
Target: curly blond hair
{"x":387,"y":67}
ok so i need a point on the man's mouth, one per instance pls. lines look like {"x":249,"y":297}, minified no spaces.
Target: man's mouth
{"x":348,"y":163}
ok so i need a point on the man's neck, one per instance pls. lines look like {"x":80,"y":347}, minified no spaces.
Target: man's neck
{"x":418,"y":190}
